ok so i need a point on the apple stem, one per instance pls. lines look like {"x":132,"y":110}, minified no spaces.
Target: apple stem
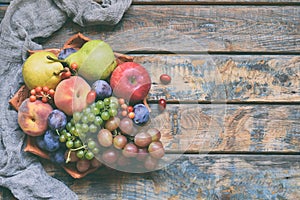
{"x":146,"y":104}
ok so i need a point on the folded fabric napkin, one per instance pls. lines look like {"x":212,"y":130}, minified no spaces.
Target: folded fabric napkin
{"x":24,"y":21}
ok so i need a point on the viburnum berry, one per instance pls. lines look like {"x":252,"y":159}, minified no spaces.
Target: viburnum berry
{"x":162,"y":104}
{"x":44,"y":99}
{"x":45,"y":89}
{"x":130,"y":109}
{"x":131,"y":115}
{"x":165,"y":78}
{"x":38,"y":89}
{"x":74,"y":66}
{"x":121,"y":101}
{"x":32,"y":98}
{"x":51,"y":92}
{"x":33,"y":92}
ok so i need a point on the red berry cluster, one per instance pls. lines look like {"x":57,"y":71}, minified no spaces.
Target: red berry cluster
{"x":43,"y":93}
{"x":126,"y":110}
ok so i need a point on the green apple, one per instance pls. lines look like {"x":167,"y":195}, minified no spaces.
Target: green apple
{"x":38,"y":70}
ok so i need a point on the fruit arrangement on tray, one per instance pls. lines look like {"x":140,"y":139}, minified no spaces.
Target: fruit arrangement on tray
{"x":84,"y":106}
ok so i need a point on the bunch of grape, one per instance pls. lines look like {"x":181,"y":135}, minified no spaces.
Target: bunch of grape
{"x":100,"y":132}
{"x":80,"y":132}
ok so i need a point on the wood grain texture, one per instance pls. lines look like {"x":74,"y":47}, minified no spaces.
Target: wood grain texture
{"x":181,"y":28}
{"x":229,"y":128}
{"x":199,"y":28}
{"x":257,"y":2}
{"x":192,"y":177}
{"x":224,"y":78}
{"x":202,"y":1}
{"x":195,"y":177}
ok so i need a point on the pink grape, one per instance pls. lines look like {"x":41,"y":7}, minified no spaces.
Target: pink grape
{"x":105,"y":138}
{"x":156,"y":150}
{"x":130,"y":150}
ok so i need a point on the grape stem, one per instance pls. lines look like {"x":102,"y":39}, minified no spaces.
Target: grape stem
{"x":70,"y":151}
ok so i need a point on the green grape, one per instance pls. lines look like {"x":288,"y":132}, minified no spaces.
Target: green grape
{"x":86,"y":110}
{"x":77,"y":132}
{"x":113,"y":105}
{"x":113,"y":112}
{"x":84,"y":119}
{"x":77,"y":116}
{"x":68,"y":126}
{"x":91,"y":144}
{"x":96,"y":111}
{"x":68,"y":135}
{"x":114,"y":100}
{"x":85,"y":128}
{"x":63,"y":132}
{"x":78,"y":126}
{"x":100,"y":104}
{"x":72,"y":121}
{"x":80,"y":154}
{"x":77,"y":143}
{"x":69,"y":144}
{"x":92,"y":106}
{"x":62,"y":138}
{"x":106,"y":101}
{"x":91,"y":117}
{"x":93,"y":128}
{"x":95,"y":150}
{"x":98,"y":121}
{"x":72,"y":130}
{"x":105,"y":115}
{"x":89,"y":155}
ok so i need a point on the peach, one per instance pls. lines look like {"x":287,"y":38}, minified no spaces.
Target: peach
{"x":32,"y":117}
{"x":70,"y":95}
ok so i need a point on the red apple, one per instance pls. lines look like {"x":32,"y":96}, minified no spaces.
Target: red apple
{"x":71,"y":95}
{"x":32,"y":117}
{"x":130,"y":81}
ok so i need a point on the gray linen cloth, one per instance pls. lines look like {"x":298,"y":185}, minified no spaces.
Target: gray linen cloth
{"x":24,"y":21}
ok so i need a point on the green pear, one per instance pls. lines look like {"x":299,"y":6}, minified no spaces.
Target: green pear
{"x":38,"y":70}
{"x":95,"y":60}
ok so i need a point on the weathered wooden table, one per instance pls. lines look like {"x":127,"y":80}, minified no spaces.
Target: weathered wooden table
{"x":234,"y":113}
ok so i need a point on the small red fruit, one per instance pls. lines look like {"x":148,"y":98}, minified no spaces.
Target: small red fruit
{"x":66,"y":74}
{"x":131,"y":115}
{"x":51,"y":92}
{"x":33,"y":92}
{"x":45,"y":89}
{"x":44,"y":99}
{"x":121,"y":101}
{"x":165,"y":79}
{"x":91,"y":97}
{"x":38,"y":89}
{"x":32,"y":98}
{"x":130,"y":109}
{"x":162,"y":103}
{"x":74,"y":66}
